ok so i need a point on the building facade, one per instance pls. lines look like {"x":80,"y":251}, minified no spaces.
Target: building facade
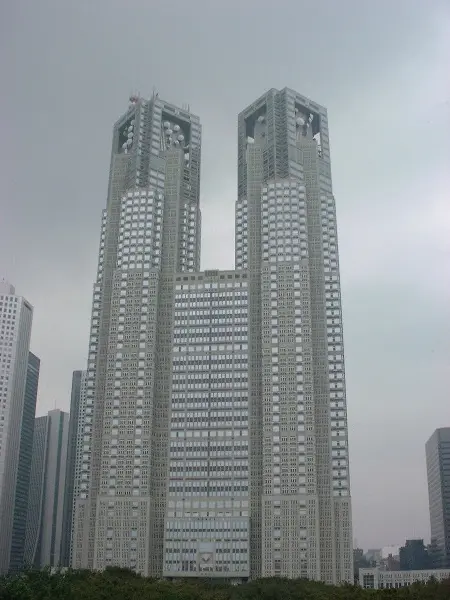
{"x":414,"y":556}
{"x":17,"y":557}
{"x":207,"y":526}
{"x":377,"y":579}
{"x":17,"y":404}
{"x":73,"y":469}
{"x":286,"y":238}
{"x":46,"y":502}
{"x":36,"y":492}
{"x":217,"y":439}
{"x":438,"y":473}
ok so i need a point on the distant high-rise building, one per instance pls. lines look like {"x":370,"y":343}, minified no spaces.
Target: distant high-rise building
{"x":219,"y":421}
{"x":286,"y":239}
{"x":18,"y":386}
{"x":150,"y":231}
{"x":438,"y":473}
{"x":24,"y":469}
{"x":36,"y":492}
{"x":46,"y":502}
{"x":74,"y":457}
{"x":414,"y":556}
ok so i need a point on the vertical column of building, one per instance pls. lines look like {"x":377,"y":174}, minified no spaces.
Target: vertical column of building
{"x":291,"y":133}
{"x":123,"y":503}
{"x":54,"y":482}
{"x":251,"y":164}
{"x":180,"y":135}
{"x":16,"y":316}
{"x":46,"y":502}
{"x":156,"y":148}
{"x":163,"y":363}
{"x":438,"y":475}
{"x":36,"y":493}
{"x":290,"y":511}
{"x":17,"y":557}
{"x":320,"y":389}
{"x":125,"y":172}
{"x":329,"y":378}
{"x":207,"y":525}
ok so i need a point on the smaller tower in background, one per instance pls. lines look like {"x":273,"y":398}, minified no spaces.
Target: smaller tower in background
{"x":48,"y":477}
{"x":438,"y":472}
{"x":77,"y":423}
{"x":19,"y":371}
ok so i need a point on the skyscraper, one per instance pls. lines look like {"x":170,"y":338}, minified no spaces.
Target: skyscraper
{"x":36,"y":492}
{"x":150,"y":231}
{"x":17,"y":557}
{"x":438,"y":473}
{"x":218,"y":442}
{"x":46,"y":502}
{"x":286,"y":238}
{"x":73,"y":470}
{"x":17,"y":403}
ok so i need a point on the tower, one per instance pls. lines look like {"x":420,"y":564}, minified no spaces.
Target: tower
{"x":214,"y":428}
{"x":438,"y":474}
{"x":44,"y":537}
{"x":150,"y":230}
{"x":286,"y":238}
{"x":19,"y":371}
{"x":77,"y":424}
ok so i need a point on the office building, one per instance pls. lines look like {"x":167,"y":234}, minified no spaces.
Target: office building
{"x":150,"y":231}
{"x":218,"y":442}
{"x":414,"y":556}
{"x":36,"y":492}
{"x":438,"y":472}
{"x":376,"y":578}
{"x":19,"y":371}
{"x":17,"y":557}
{"x":46,"y":502}
{"x":73,"y":470}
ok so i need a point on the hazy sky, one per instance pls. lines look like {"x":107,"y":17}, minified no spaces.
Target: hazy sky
{"x":381,"y":68}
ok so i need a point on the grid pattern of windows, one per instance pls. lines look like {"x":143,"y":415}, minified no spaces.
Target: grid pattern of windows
{"x":286,"y":207}
{"x":217,"y":399}
{"x":150,"y":230}
{"x":9,"y":320}
{"x":139,"y":242}
{"x":208,"y":507}
{"x":16,"y":410}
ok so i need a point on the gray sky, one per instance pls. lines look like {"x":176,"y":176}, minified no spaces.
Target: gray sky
{"x":67,"y":69}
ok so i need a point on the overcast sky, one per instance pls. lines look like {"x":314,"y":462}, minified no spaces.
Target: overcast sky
{"x":67,"y":69}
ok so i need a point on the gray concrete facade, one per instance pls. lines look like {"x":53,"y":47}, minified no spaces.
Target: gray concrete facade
{"x":17,"y":556}
{"x":73,"y":471}
{"x":36,"y":492}
{"x":150,"y":231}
{"x":46,"y":501}
{"x":217,"y":434}
{"x":286,"y":237}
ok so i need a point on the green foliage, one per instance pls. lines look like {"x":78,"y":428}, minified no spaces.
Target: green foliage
{"x":123,"y":584}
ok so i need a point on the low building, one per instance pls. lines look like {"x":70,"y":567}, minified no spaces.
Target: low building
{"x":377,"y":578}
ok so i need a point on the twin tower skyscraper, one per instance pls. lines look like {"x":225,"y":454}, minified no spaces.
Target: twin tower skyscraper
{"x":213,"y":427}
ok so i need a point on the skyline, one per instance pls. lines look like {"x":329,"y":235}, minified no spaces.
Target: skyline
{"x":362,"y":213}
